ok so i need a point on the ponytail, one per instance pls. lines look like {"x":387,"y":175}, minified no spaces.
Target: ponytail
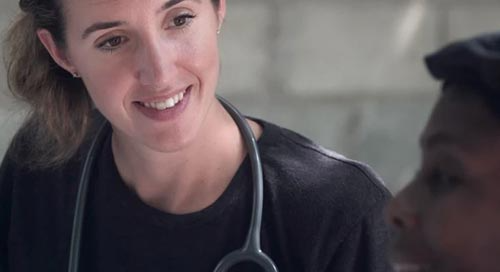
{"x":60,"y":107}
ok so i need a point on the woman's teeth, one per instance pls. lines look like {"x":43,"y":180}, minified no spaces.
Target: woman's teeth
{"x":165,"y":104}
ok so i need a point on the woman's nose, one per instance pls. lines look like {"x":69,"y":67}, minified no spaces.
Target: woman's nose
{"x":155,"y":64}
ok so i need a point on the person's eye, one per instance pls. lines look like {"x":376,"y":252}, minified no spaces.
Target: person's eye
{"x":182,"y":20}
{"x":112,"y":43}
{"x":441,"y":182}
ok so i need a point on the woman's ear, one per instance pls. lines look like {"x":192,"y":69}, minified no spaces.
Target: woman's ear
{"x":221,"y":13}
{"x":57,"y":54}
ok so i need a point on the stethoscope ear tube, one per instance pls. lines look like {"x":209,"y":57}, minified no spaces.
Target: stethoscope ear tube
{"x":81,"y":199}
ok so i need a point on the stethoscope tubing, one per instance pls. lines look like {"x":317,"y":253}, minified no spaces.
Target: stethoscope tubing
{"x":249,"y":252}
{"x":81,"y":199}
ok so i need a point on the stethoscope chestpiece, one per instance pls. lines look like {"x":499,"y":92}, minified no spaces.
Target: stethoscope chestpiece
{"x":246,"y":255}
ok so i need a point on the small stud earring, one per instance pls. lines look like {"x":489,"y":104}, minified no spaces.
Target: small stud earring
{"x":75,"y":75}
{"x":218,"y":29}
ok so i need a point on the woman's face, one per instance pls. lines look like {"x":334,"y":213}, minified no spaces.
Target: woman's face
{"x":448,"y":218}
{"x":150,"y":66}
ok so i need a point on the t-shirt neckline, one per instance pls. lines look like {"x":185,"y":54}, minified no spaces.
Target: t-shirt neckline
{"x":132,"y":205}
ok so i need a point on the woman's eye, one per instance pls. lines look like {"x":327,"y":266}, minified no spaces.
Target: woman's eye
{"x":112,"y":43}
{"x":182,"y":20}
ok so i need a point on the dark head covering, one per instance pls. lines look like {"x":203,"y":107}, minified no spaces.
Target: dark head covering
{"x":473,"y":63}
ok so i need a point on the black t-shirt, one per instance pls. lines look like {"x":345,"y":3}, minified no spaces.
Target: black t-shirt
{"x":322,"y":212}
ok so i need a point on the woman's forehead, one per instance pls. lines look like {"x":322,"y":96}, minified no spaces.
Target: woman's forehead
{"x":82,"y":14}
{"x":90,"y":4}
{"x":166,"y":3}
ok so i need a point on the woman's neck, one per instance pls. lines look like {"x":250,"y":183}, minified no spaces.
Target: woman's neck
{"x":189,"y":179}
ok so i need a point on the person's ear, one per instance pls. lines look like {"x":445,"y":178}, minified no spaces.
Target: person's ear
{"x":221,"y":14}
{"x":58,"y":55}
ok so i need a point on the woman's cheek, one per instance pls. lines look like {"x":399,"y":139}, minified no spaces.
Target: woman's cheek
{"x":204,"y":46}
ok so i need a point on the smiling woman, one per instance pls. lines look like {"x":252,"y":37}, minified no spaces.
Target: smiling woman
{"x":59,"y":129}
{"x":171,"y":186}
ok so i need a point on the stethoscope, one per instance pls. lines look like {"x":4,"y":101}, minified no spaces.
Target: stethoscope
{"x":249,"y":252}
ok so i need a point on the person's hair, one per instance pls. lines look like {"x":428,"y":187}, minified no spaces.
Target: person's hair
{"x":60,"y":107}
{"x":470,"y":66}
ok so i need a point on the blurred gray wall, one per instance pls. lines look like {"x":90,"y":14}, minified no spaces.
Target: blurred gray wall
{"x":10,"y":112}
{"x":345,"y":73}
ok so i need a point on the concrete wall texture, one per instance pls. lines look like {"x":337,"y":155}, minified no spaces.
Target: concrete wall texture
{"x":345,"y":73}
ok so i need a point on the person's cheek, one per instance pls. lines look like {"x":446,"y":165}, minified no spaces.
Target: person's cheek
{"x":484,"y":238}
{"x":440,"y":228}
{"x":452,"y":231}
{"x":202,"y":50}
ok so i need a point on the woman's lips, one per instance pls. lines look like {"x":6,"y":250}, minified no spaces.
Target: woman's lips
{"x":165,"y":109}
{"x":166,"y":103}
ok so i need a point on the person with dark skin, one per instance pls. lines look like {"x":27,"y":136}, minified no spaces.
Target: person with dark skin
{"x":448,"y":218}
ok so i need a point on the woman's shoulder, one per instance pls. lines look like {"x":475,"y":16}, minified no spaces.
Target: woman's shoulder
{"x":296,"y":165}
{"x":290,"y":150}
{"x":322,"y":196}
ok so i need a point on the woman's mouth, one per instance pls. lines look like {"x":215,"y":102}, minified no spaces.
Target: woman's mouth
{"x":165,"y":104}
{"x":165,"y":109}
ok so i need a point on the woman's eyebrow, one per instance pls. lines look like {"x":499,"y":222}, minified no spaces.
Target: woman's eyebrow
{"x":99,"y":26}
{"x":105,"y":25}
{"x":172,"y":3}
